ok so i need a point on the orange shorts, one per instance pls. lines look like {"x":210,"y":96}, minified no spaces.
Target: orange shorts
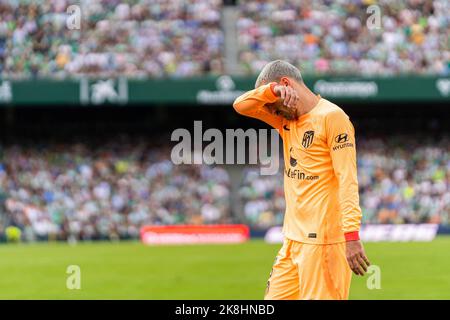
{"x":309,"y":272}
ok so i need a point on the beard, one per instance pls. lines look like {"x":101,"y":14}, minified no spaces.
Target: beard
{"x":280,"y":109}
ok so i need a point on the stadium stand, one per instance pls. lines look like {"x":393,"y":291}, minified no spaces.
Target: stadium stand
{"x":184,"y":38}
{"x":330,"y":37}
{"x":138,"y":38}
{"x":104,"y":192}
{"x":109,"y":190}
{"x":86,"y":192}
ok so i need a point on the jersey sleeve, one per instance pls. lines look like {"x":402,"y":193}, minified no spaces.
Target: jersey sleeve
{"x":252,"y":104}
{"x":341,"y":141}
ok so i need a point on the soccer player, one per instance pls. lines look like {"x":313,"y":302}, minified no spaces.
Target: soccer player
{"x":321,"y":226}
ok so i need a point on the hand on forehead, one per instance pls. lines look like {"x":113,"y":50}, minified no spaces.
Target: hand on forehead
{"x":282,"y":110}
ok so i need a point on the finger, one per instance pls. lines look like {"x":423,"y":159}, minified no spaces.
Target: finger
{"x":282,"y":93}
{"x":358,"y":269}
{"x":351,"y":264}
{"x":354,"y":268}
{"x":294,"y":101}
{"x":288,"y":97}
{"x":365,"y":259}
{"x":362,"y":263}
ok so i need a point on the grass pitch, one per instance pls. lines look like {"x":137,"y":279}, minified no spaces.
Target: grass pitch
{"x":130,"y":270}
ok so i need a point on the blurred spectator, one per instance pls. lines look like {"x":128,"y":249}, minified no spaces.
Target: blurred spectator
{"x":332,"y":37}
{"x":181,"y":38}
{"x":135,"y":38}
{"x":81,"y":192}
{"x":108,"y":191}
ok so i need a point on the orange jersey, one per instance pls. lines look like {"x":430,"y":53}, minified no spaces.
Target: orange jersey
{"x":320,"y":175}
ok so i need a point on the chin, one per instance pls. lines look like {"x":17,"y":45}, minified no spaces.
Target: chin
{"x":290,"y":117}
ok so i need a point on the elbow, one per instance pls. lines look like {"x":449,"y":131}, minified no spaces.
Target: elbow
{"x":237,"y":106}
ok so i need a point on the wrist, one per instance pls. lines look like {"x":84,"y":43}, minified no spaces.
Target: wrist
{"x":272,"y":88}
{"x":351,"y":236}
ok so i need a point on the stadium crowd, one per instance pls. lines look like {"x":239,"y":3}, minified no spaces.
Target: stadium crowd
{"x":128,"y":38}
{"x":156,"y":38}
{"x":338,"y":37}
{"x":400,"y":181}
{"x":105,"y":192}
{"x":81,"y":191}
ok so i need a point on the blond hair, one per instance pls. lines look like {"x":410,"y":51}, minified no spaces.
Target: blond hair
{"x":275,"y":70}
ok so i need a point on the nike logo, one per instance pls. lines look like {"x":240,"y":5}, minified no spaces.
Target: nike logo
{"x":286,"y":128}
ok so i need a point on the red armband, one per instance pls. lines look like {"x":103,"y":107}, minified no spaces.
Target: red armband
{"x":351,"y":236}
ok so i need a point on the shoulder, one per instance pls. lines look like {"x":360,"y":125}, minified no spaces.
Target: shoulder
{"x":335,"y":119}
{"x":330,"y":111}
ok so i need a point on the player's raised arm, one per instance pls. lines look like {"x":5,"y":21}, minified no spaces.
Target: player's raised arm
{"x":341,"y":141}
{"x":254,"y":104}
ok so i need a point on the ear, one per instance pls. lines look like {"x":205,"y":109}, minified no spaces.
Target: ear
{"x":285,"y":81}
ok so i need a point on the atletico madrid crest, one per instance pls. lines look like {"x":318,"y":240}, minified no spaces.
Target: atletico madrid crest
{"x":307,"y":139}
